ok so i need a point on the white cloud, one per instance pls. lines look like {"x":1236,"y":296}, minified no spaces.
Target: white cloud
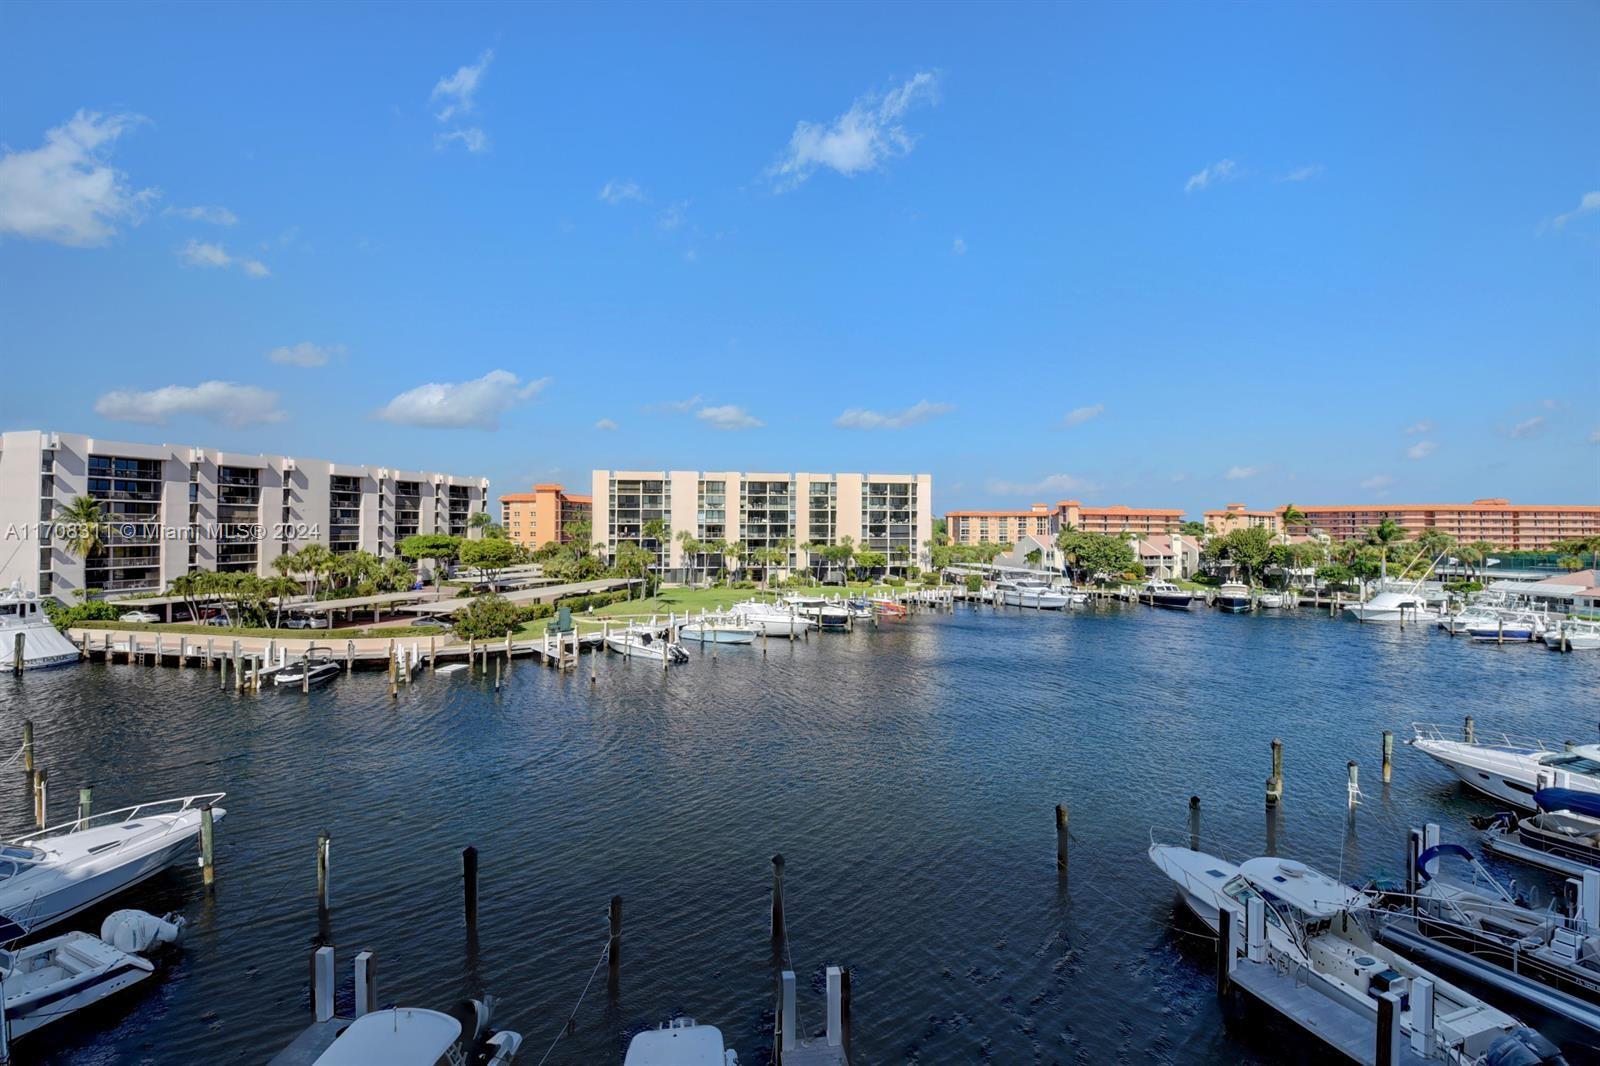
{"x":728,"y":416}
{"x":860,"y":140}
{"x":1304,"y":173}
{"x":1054,"y":483}
{"x":1594,"y":438}
{"x":451,"y":405}
{"x":673,"y":216}
{"x":456,"y":94}
{"x":1550,"y":403}
{"x":605,"y":424}
{"x":1529,"y":428}
{"x":472,"y":138}
{"x":203,"y":254}
{"x":305,"y":354}
{"x":1590,"y":202}
{"x":959,"y":247}
{"x":1223,"y":170}
{"x":675,"y":406}
{"x":1240,"y":473}
{"x":921,"y":411}
{"x":617,"y":191}
{"x":691,"y":256}
{"x":217,"y":401}
{"x":1421,"y":450}
{"x":1079,"y":415}
{"x":1423,"y":426}
{"x":1378,"y":481}
{"x":216,"y":216}
{"x":65,"y":191}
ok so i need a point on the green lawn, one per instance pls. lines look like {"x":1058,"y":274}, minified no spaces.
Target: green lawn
{"x":188,"y":629}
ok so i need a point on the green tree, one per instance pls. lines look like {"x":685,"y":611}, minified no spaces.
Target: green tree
{"x":83,"y":526}
{"x":1570,"y":562}
{"x":439,"y":547}
{"x":488,"y":617}
{"x":1192,"y":528}
{"x":1580,"y":545}
{"x":1250,"y":549}
{"x":490,"y":557}
{"x":1094,"y":555}
{"x":580,"y":534}
{"x":868,"y":561}
{"x":280,"y":589}
{"x":188,"y":587}
{"x":1034,"y":557}
{"x":1292,"y":516}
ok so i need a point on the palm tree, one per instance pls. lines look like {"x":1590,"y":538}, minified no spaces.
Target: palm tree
{"x":691,"y":550}
{"x":280,"y":589}
{"x":85,"y":526}
{"x":1383,"y":534}
{"x":187,"y":586}
{"x":1292,"y":516}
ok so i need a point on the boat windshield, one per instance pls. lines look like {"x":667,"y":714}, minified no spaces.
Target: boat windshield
{"x":1575,"y":764}
{"x":1241,"y":891}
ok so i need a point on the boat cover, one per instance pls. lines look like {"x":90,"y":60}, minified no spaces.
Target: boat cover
{"x":1432,"y":853}
{"x":1567,"y":799}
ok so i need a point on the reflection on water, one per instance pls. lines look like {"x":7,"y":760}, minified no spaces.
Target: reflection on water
{"x":908,"y":775}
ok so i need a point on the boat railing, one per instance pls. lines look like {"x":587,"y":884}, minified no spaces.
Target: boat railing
{"x":1479,"y":738}
{"x":128,"y":814}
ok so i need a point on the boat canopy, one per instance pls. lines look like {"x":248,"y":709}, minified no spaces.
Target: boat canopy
{"x":402,"y":1035}
{"x":1426,"y":858}
{"x":1568,"y":799}
{"x":1315,"y":894}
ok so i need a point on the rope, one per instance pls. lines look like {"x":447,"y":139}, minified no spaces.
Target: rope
{"x":566,"y":1028}
{"x":15,"y":756}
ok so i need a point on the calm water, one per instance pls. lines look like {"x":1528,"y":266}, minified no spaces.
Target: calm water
{"x":908,"y":775}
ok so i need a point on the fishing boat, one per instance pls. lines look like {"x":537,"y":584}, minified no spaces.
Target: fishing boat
{"x":57,"y":872}
{"x":1317,"y":929}
{"x":50,"y":979}
{"x":680,"y":1042}
{"x":1162,"y":593}
{"x":1563,"y":833}
{"x":1510,"y":769}
{"x":771,"y":619}
{"x":642,"y":643}
{"x":1392,"y":607}
{"x":313,"y":670}
{"x":42,"y":644}
{"x":1517,"y":626}
{"x":717,"y":631}
{"x":416,"y":1036}
{"x":1029,"y":592}
{"x":1234,"y":597}
{"x":1573,"y":634}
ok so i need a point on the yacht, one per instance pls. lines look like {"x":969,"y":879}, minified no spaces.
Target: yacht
{"x":1510,"y":769}
{"x":642,"y":643}
{"x":718,"y":631}
{"x":48,"y":980}
{"x":57,"y":872}
{"x":43,"y":645}
{"x":1518,"y":626}
{"x":771,"y":619}
{"x":1576,"y":633}
{"x":1234,"y":597}
{"x":680,"y":1042}
{"x":1563,"y":835}
{"x":1162,"y":593}
{"x":826,"y":614}
{"x":1393,"y":607}
{"x":416,"y":1036}
{"x":1029,"y":592}
{"x":1316,"y":928}
{"x":1461,"y":622}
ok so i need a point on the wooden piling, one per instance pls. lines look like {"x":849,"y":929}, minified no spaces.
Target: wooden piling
{"x":844,"y":1011}
{"x":1388,"y":755}
{"x":85,"y":803}
{"x":1225,"y":951}
{"x":1275,"y":782}
{"x":41,"y":797}
{"x":1469,"y":730}
{"x":779,"y":931}
{"x":27,"y":746}
{"x":208,"y":837}
{"x":366,"y":974}
{"x":324,"y":849}
{"x":19,"y":652}
{"x":1194,"y":823}
{"x":1353,"y":790}
{"x":305,"y":670}
{"x":210,"y":652}
{"x":497,"y":675}
{"x":433,"y":654}
{"x":1061,"y":838}
{"x":469,"y":884}
{"x":349,"y":656}
{"x":614,"y":945}
{"x":1388,"y":1051}
{"x":183,"y":652}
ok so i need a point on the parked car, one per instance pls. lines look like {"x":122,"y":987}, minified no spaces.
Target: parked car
{"x":306,"y":621}
{"x":425,"y":620}
{"x":215,"y":620}
{"x":139,"y":616}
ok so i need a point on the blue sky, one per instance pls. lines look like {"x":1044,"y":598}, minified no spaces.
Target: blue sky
{"x":1156,"y":255}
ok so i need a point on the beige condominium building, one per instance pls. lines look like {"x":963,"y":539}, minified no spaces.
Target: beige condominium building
{"x":1042,"y":521}
{"x":1237,"y":516}
{"x":170,"y":509}
{"x":888,"y":513}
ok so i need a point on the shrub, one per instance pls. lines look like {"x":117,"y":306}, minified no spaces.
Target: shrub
{"x":974,"y":583}
{"x":79,"y":613}
{"x":578,"y":604}
{"x":743,"y":585}
{"x":895,"y":582}
{"x":488,"y":617}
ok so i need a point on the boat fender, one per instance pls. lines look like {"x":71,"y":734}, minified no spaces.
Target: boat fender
{"x":501,"y":1048}
{"x":136,"y":932}
{"x":1524,"y":1047}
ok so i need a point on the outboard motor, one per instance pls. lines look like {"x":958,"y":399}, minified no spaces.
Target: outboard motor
{"x":1525,"y":1047}
{"x":136,"y":932}
{"x":473,"y":1014}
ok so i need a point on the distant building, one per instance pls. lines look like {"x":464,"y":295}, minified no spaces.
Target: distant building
{"x":1236,"y":516}
{"x":1512,"y":527}
{"x":999,"y":527}
{"x":548,"y":513}
{"x":172,"y":508}
{"x":1049,"y":555}
{"x":888,"y":513}
{"x":1043,"y":521}
{"x":1117,"y":518}
{"x":1167,"y":555}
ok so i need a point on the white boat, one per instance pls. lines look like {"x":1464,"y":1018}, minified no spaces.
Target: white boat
{"x":1030,"y":592}
{"x":715,"y":631}
{"x":1576,"y":633}
{"x":416,"y":1036}
{"x":1270,"y":601}
{"x":42,"y":644}
{"x":643,"y":644}
{"x":1513,"y":626}
{"x":772,"y":620}
{"x":1460,"y":622}
{"x":680,"y":1042}
{"x":1510,"y":769}
{"x":1316,"y":930}
{"x":1393,"y":607}
{"x":47,"y":981}
{"x":826,"y":613}
{"x":57,"y":872}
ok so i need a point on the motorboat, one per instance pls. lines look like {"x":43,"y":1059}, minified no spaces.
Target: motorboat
{"x":1160,"y":592}
{"x":717,"y":631}
{"x":827,"y":614}
{"x":1029,"y":592}
{"x":57,"y":872}
{"x":1510,"y":769}
{"x":1459,"y":623}
{"x":49,"y":980}
{"x":1270,"y":601}
{"x":1563,"y":833}
{"x":1234,"y":597}
{"x":1573,"y":634}
{"x":1517,"y":626}
{"x":680,"y":1042}
{"x":771,"y":619}
{"x":417,"y":1036}
{"x":887,"y":608}
{"x":642,"y":643}
{"x":314,"y":670}
{"x":42,"y":644}
{"x":1399,"y":607}
{"x":1316,"y":929}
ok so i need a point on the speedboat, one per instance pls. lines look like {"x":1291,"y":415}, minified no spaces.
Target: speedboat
{"x":57,"y":872}
{"x":1234,"y":597}
{"x":50,"y":979}
{"x":714,"y":631}
{"x":1518,"y":626}
{"x":1162,"y":593}
{"x":1562,"y":835}
{"x":771,"y":619}
{"x":1392,"y":607}
{"x":1316,"y":930}
{"x":825,"y":614}
{"x":320,"y":669}
{"x":1270,"y":600}
{"x":1576,"y":633}
{"x":680,"y":1042}
{"x":1510,"y":769}
{"x":42,"y":644}
{"x":644,"y":644}
{"x":416,"y":1036}
{"x":1463,"y":621}
{"x":1029,"y":592}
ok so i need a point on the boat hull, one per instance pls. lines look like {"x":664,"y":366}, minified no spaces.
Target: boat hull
{"x":1234,"y":604}
{"x":710,"y":634}
{"x":1041,"y":600}
{"x":1172,"y":601}
{"x":1576,"y":642}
